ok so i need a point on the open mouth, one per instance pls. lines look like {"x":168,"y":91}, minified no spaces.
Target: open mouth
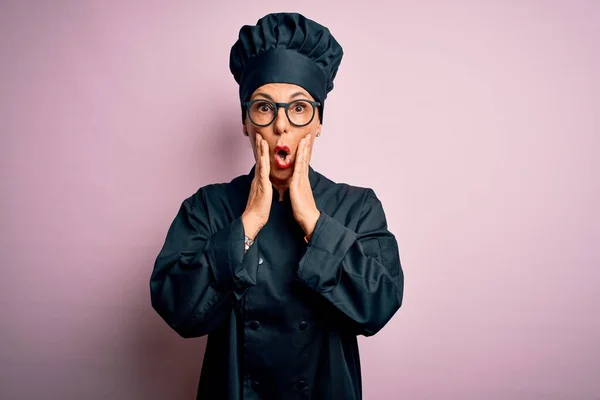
{"x":283,"y":154}
{"x":283,"y":157}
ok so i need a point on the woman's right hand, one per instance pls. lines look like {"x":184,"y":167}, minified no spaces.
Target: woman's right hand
{"x":258,"y":206}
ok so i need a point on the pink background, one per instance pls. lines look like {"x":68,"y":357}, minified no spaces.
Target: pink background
{"x":476,"y":123}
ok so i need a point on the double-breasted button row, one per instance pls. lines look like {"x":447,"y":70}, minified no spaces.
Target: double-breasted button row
{"x":300,"y":385}
{"x":254,"y":325}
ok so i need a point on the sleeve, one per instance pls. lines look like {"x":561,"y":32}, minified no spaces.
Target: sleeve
{"x":198,"y":274}
{"x":358,"y":273}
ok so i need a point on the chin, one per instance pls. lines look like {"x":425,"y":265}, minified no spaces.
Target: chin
{"x":282,"y":174}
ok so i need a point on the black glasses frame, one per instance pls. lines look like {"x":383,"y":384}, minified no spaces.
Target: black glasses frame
{"x":286,"y":106}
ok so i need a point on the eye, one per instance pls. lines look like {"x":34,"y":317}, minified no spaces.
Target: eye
{"x":264,"y":107}
{"x":299,"y":107}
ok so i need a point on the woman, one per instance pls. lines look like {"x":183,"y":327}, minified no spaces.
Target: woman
{"x":282,"y":268}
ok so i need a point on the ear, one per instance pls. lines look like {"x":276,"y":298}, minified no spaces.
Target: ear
{"x":244,"y":129}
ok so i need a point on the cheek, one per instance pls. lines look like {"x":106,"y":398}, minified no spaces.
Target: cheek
{"x":269,"y":137}
{"x":314,"y":130}
{"x":315,"y":126}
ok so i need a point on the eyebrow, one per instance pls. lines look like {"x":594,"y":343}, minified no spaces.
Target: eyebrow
{"x":264,"y":95}
{"x":273,"y":100}
{"x":298,"y":94}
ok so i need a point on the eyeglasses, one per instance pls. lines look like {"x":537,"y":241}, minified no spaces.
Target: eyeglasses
{"x":263,"y":112}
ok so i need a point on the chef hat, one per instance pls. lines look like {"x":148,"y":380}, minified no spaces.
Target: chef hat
{"x":285,"y":48}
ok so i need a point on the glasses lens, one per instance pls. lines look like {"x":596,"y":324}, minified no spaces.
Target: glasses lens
{"x":262,"y":112}
{"x":301,"y":112}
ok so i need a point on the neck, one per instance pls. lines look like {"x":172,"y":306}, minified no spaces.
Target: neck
{"x":280,"y":186}
{"x":281,"y":189}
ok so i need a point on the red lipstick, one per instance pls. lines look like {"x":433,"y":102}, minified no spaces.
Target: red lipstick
{"x":283,"y":157}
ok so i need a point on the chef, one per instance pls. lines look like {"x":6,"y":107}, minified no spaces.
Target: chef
{"x":282,"y":268}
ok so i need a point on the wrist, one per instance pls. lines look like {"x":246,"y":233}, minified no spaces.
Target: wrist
{"x":309,"y":226}
{"x":251,"y":226}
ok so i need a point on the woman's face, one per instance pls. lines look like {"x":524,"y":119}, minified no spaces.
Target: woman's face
{"x":281,"y":133}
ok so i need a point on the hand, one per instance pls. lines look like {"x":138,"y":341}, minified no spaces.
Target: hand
{"x":301,"y":195}
{"x":258,"y":207}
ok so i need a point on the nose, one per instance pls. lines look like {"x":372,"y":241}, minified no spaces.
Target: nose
{"x":281,"y":123}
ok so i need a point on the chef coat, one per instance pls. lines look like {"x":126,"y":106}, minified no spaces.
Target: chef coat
{"x":282,"y":319}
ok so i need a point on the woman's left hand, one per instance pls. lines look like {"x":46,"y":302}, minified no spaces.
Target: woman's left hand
{"x":301,"y":195}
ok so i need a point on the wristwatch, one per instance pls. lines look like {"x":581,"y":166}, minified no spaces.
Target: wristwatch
{"x":247,"y":243}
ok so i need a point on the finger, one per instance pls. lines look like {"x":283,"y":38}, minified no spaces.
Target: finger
{"x":302,"y":157}
{"x":257,"y":146}
{"x":260,"y":160}
{"x":265,"y":153}
{"x":259,"y":140}
{"x":265,"y":160}
{"x":298,"y":162}
{"x":310,"y":149}
{"x":306,"y":158}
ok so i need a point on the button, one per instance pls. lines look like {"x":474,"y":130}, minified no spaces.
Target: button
{"x":260,"y":260}
{"x":254,"y":325}
{"x":254,"y":385}
{"x":303,"y":325}
{"x":301,"y":385}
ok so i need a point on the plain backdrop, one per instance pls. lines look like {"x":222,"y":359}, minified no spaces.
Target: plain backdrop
{"x":475,"y":122}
